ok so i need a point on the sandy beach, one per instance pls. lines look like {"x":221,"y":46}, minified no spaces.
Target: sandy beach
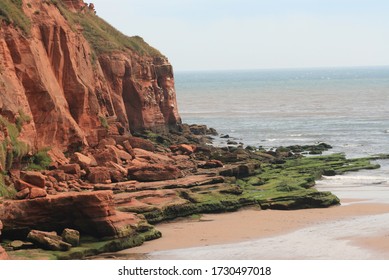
{"x":251,"y":224}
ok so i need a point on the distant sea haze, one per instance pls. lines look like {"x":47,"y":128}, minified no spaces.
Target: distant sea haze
{"x":345,"y":107}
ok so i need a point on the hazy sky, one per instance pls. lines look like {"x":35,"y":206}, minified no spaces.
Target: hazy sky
{"x":255,"y":34}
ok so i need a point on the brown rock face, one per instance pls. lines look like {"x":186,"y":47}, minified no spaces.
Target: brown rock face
{"x":56,"y":78}
{"x":90,"y":213}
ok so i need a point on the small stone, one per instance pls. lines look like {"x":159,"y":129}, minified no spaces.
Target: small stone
{"x":20,"y":245}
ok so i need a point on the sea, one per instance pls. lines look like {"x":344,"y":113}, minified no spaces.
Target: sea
{"x":347,"y":108}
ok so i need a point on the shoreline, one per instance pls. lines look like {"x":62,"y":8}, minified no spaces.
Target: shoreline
{"x":251,"y":225}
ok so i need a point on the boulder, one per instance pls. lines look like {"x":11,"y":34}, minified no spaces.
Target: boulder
{"x":106,"y":155}
{"x":72,"y":168}
{"x":120,"y":154}
{"x":37,"y":193}
{"x":153,"y":172}
{"x":71,"y":236}
{"x":106,"y":142}
{"x":92,"y":213}
{"x":34,"y":178}
{"x":48,"y":241}
{"x":141,"y":143}
{"x":83,"y":160}
{"x":99,"y":175}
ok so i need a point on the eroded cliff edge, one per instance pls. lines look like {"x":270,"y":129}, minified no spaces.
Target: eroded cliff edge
{"x":73,"y":75}
{"x":91,"y":141}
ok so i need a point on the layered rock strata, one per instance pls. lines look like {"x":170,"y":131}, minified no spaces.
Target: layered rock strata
{"x":92,"y":213}
{"x":73,"y":92}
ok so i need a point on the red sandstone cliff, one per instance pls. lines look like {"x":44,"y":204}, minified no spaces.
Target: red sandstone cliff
{"x":70,"y":89}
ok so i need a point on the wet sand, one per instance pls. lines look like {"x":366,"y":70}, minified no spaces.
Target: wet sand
{"x":251,"y":225}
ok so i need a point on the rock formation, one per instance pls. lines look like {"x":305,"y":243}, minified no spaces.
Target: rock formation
{"x":90,"y":213}
{"x":71,"y":88}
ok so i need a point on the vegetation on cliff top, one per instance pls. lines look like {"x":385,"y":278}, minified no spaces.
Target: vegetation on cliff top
{"x":11,"y":12}
{"x":102,"y":36}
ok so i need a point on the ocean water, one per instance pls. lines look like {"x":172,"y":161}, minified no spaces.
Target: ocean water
{"x":345,"y":107}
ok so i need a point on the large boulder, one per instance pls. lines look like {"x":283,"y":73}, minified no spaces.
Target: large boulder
{"x":33,"y":178}
{"x":84,"y":160}
{"x":92,"y":213}
{"x":99,"y":175}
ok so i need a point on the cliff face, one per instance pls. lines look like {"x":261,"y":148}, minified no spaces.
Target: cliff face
{"x":71,"y":89}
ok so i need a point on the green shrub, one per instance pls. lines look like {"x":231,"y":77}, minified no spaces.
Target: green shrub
{"x":40,"y":161}
{"x":6,"y":191}
{"x":11,"y":11}
{"x":102,"y":36}
{"x":104,"y":122}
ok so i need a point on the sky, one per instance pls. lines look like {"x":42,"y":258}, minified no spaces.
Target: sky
{"x":257,"y":34}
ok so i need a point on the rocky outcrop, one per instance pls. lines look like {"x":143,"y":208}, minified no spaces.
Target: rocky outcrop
{"x":73,"y":92}
{"x":92,"y":213}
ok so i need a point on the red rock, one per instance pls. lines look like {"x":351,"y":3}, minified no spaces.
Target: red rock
{"x":211,"y":164}
{"x":151,"y":157}
{"x":21,"y":185}
{"x":106,"y":142}
{"x":104,"y":156}
{"x":144,"y":144}
{"x":57,"y":156}
{"x":83,"y":160}
{"x":183,"y":148}
{"x":129,"y":148}
{"x":132,"y":88}
{"x":117,"y":176}
{"x":23,"y":193}
{"x":153,"y":172}
{"x":37,"y":193}
{"x":92,"y":213}
{"x":58,"y":176}
{"x":119,"y":168}
{"x":120,"y":154}
{"x":73,"y":169}
{"x":34,"y":178}
{"x":99,"y":175}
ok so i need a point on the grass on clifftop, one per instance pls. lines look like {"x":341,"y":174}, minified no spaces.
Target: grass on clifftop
{"x":11,"y":11}
{"x":102,"y":36}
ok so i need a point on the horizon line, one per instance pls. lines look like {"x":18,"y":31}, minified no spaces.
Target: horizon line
{"x":281,"y":68}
